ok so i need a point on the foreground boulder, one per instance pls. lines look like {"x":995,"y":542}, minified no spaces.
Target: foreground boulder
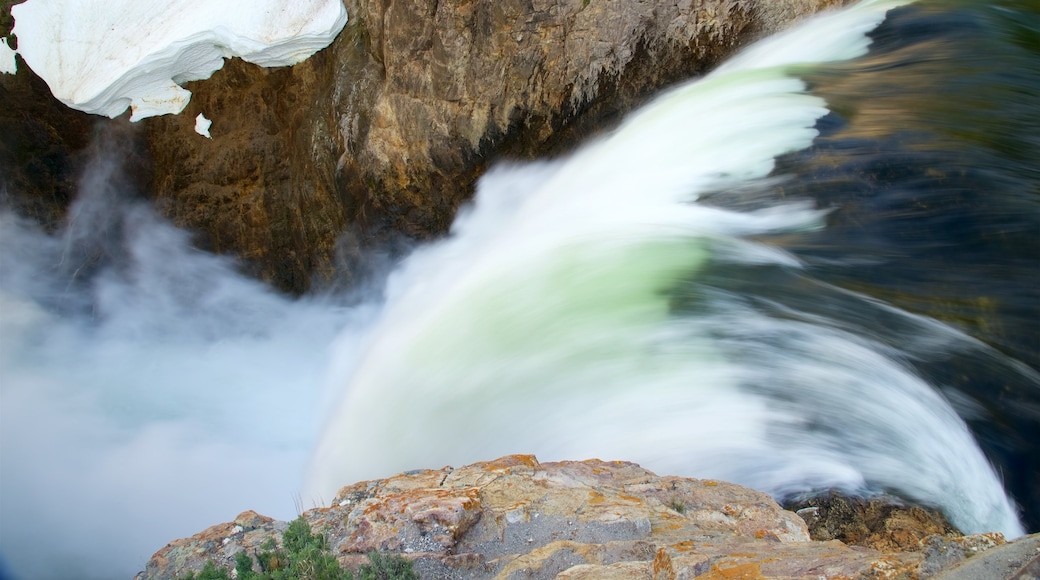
{"x":518,"y":518}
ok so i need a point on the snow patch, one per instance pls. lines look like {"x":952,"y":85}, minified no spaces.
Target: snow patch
{"x":202,"y":125}
{"x":8,"y":65}
{"x":104,"y":56}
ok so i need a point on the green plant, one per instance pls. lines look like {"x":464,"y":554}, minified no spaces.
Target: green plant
{"x":305,"y":556}
{"x":243,"y":565}
{"x":392,"y":567}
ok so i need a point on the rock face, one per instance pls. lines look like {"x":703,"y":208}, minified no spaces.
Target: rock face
{"x":41,"y":149}
{"x":885,"y":523}
{"x":387,"y":129}
{"x":518,"y":518}
{"x":46,"y":145}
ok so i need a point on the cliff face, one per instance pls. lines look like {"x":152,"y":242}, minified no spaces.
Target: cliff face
{"x":40,"y":151}
{"x":518,"y":518}
{"x":387,"y":129}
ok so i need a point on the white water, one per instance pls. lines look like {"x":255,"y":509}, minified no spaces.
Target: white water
{"x":149,"y":400}
{"x":543,"y":325}
{"x":164,"y":393}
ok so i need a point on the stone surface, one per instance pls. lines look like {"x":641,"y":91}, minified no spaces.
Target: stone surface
{"x":1019,"y":560}
{"x":247,"y":532}
{"x":385,"y":132}
{"x":517,"y":518}
{"x":883,"y":523}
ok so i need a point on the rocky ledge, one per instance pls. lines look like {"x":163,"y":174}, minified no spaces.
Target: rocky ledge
{"x":518,"y":518}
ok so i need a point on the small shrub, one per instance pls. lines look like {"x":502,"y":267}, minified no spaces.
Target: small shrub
{"x":305,"y":556}
{"x":382,"y":567}
{"x":243,"y":565}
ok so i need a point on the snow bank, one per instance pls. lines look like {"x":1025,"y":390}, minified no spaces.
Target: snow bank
{"x":7,"y":62}
{"x":104,"y":56}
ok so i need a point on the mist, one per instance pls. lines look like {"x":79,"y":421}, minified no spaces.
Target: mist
{"x":149,"y":389}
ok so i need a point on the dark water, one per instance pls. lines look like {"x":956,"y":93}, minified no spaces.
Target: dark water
{"x":930,"y":166}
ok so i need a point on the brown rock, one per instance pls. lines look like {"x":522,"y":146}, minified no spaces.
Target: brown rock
{"x":884,"y":523}
{"x":42,"y":149}
{"x":387,"y":129}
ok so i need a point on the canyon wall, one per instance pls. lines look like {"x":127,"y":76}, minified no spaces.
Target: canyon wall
{"x":381,"y":136}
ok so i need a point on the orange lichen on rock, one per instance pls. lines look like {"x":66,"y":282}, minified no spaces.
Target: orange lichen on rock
{"x":749,"y":571}
{"x":507,"y":463}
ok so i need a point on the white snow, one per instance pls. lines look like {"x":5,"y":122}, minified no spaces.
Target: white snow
{"x":104,"y":56}
{"x":8,"y":65}
{"x":202,"y":125}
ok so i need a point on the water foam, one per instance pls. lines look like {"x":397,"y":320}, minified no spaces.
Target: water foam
{"x":149,"y":390}
{"x":547,"y":324}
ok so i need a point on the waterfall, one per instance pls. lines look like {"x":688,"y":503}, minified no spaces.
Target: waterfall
{"x":773,"y":274}
{"x":565,"y":317}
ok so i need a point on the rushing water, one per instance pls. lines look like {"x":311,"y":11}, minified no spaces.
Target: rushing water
{"x":814,"y":267}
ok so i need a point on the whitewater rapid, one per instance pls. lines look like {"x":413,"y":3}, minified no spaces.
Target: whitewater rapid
{"x":547,"y":322}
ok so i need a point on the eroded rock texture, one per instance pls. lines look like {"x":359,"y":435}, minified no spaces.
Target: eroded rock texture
{"x":385,"y":132}
{"x":883,"y":523}
{"x":518,"y":518}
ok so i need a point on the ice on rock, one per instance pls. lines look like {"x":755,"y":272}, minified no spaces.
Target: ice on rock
{"x":8,"y":65}
{"x":202,"y":125}
{"x":102,"y":57}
